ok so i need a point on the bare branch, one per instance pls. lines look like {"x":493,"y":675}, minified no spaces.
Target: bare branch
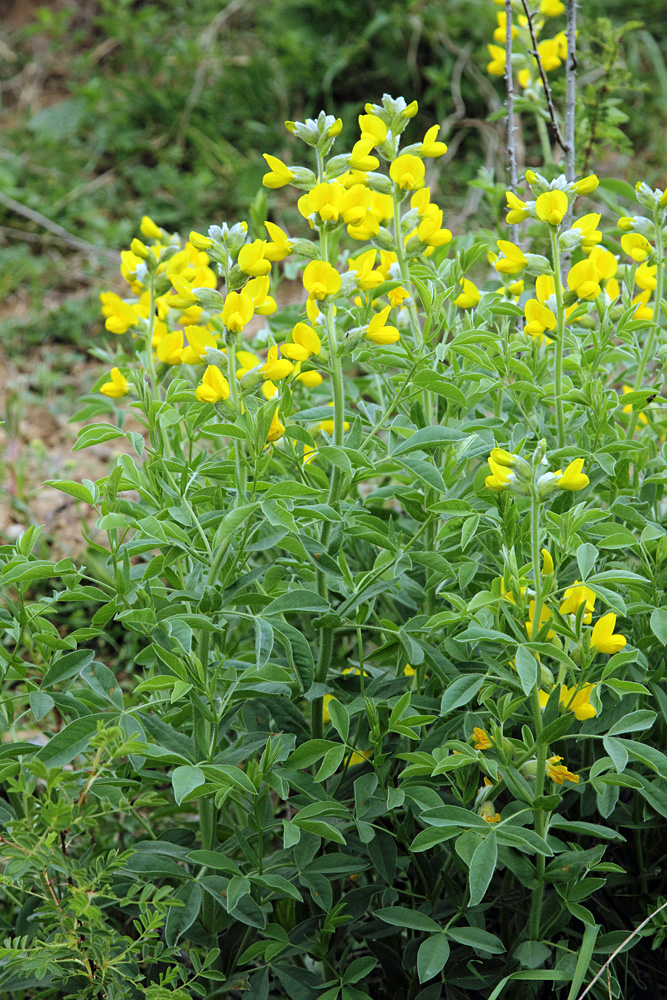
{"x":53,"y":227}
{"x":545,"y":83}
{"x":509,"y":87}
{"x":570,"y":87}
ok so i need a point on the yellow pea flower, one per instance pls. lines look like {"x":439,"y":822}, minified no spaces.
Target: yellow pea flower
{"x":279,"y":175}
{"x":547,"y":563}
{"x":150,"y":229}
{"x":363,"y":266}
{"x":237,"y":311}
{"x":549,"y":51}
{"x":117,"y":387}
{"x":247,"y":361}
{"x":636,"y":246}
{"x":280,"y":245}
{"x":430,"y":146}
{"x":277,"y":428}
{"x":361,"y":157}
{"x":482,"y":740}
{"x":498,"y":60}
{"x":469,"y":296}
{"x":605,"y":263}
{"x":431,"y":232}
{"x":275,"y":368}
{"x":198,"y":340}
{"x":311,"y":379}
{"x":573,"y":478}
{"x":603,"y":639}
{"x":645,"y":276}
{"x":170,"y":348}
{"x":321,"y":279}
{"x":409,"y":671}
{"x":559,"y":773}
{"x":545,"y":616}
{"x":251,"y":259}
{"x":408,"y":172}
{"x":577,"y":595}
{"x":538,"y":319}
{"x":120,"y":315}
{"x":517,"y":209}
{"x":551,"y":207}
{"x":551,"y":8}
{"x":214,"y":386}
{"x":578,"y":702}
{"x":372,"y":128}
{"x":258,"y":290}
{"x":378,"y":332}
{"x":588,"y":184}
{"x":306,"y":343}
{"x":587,"y":226}
{"x":643,"y":311}
{"x":512,"y":259}
{"x":487,"y":811}
{"x":582,"y":278}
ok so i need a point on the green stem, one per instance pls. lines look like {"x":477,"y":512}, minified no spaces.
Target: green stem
{"x":560,"y":339}
{"x":326,"y":634}
{"x":539,"y":816}
{"x":655,"y":326}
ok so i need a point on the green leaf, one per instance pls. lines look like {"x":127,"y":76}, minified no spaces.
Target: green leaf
{"x":73,"y":489}
{"x":581,"y":970}
{"x":440,"y":386}
{"x":632,"y":723}
{"x":296,"y":600}
{"x":40,"y":704}
{"x":340,"y":718}
{"x":476,"y":938}
{"x":528,"y":669}
{"x":263,"y":641}
{"x":308,"y":753}
{"x":482,"y":867}
{"x":426,"y":472}
{"x":402,"y":916}
{"x":332,"y":761}
{"x":432,"y":957}
{"x":460,"y":692}
{"x":185,"y":779}
{"x":67,"y":666}
{"x":72,"y":740}
{"x":181,"y":918}
{"x":659,"y":625}
{"x":96,"y":434}
{"x":428,"y":437}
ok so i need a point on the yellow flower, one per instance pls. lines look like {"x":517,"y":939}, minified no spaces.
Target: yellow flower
{"x":431,"y":232}
{"x":645,"y":276}
{"x":603,"y":639}
{"x":487,"y":811}
{"x":247,"y":361}
{"x":517,"y":209}
{"x":549,"y":52}
{"x":538,"y":319}
{"x":574,"y":597}
{"x":363,"y":266}
{"x":275,"y":368}
{"x":636,"y":246}
{"x":321,"y":279}
{"x":500,"y":33}
{"x":170,"y":348}
{"x":200,"y":242}
{"x":512,"y":259}
{"x":408,"y":172}
{"x":361,"y":157}
{"x":372,"y":128}
{"x":573,"y":478}
{"x":430,"y":147}
{"x":214,"y":386}
{"x":587,"y":226}
{"x":120,"y":315}
{"x":583,"y":280}
{"x":605,"y":263}
{"x":481,"y":739}
{"x":117,"y":387}
{"x":310,"y":379}
{"x":237,"y":311}
{"x":258,"y":290}
{"x":149,"y":229}
{"x":498,"y":60}
{"x":578,"y":702}
{"x":277,"y":428}
{"x":643,"y":310}
{"x":280,"y":245}
{"x":409,"y":671}
{"x":252,"y":260}
{"x":279,"y":176}
{"x":559,"y":773}
{"x":501,"y":475}
{"x":547,"y":563}
{"x":198,"y":340}
{"x":469,"y":295}
{"x":378,"y":332}
{"x":551,"y":8}
{"x":551,"y":207}
{"x":545,"y":615}
{"x":586,"y":184}
{"x":306,"y":343}
{"x":325,"y":200}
